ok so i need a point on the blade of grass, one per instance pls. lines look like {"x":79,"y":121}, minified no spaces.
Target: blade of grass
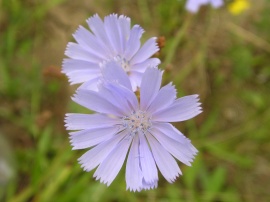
{"x":177,"y":39}
{"x":248,"y":36}
{"x":59,"y":161}
{"x":57,"y":181}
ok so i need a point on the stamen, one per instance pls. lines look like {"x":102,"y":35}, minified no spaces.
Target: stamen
{"x":123,"y":62}
{"x":137,"y":121}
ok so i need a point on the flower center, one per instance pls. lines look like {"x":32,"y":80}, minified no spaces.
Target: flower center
{"x":123,"y":62}
{"x":137,"y":121}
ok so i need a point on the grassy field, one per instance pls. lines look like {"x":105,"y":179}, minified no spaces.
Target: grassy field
{"x":224,"y":58}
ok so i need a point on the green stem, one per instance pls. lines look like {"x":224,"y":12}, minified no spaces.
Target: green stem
{"x":175,"y":43}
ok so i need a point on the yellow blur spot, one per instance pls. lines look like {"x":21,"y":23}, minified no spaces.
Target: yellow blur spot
{"x":238,"y":6}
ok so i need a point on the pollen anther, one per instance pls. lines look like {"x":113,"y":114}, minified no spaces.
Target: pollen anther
{"x":137,"y":121}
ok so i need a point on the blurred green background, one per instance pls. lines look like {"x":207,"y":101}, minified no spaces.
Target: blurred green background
{"x":221,"y":56}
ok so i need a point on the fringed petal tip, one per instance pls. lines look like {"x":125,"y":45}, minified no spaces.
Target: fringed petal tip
{"x":133,"y":189}
{"x":69,"y":46}
{"x":102,"y":180}
{"x":80,"y":27}
{"x":84,"y":167}
{"x":95,"y":16}
{"x":71,"y":81}
{"x":124,"y":17}
{"x":139,"y":28}
{"x":144,"y":186}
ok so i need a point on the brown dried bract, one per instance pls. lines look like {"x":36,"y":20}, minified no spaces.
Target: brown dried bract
{"x":161,"y":43}
{"x":53,"y":71}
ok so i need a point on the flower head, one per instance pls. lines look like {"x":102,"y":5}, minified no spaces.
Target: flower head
{"x":111,"y":40}
{"x":194,"y":5}
{"x":124,"y":126}
{"x":238,"y":6}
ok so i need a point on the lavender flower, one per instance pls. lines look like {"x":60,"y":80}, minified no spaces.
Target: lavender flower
{"x":123,"y":125}
{"x":109,"y":40}
{"x":194,"y":5}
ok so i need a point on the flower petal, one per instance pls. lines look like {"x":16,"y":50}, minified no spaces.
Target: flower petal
{"x":124,"y":27}
{"x":216,"y":3}
{"x":111,"y":26}
{"x":182,"y":151}
{"x":89,"y":42}
{"x":97,"y":27}
{"x":133,"y":43}
{"x":148,"y":186}
{"x":76,"y":77}
{"x":96,"y":155}
{"x":80,"y":71}
{"x":75,"y":51}
{"x":96,"y":102}
{"x":170,"y":131}
{"x":73,"y":65}
{"x":90,"y":84}
{"x":164,"y":98}
{"x":90,"y":137}
{"x":141,"y":67}
{"x":137,"y":70}
{"x":135,"y":79}
{"x":133,"y":170}
{"x":114,"y":72}
{"x":193,"y":6}
{"x":147,"y":50}
{"x":89,"y":121}
{"x":165,"y":162}
{"x":128,"y":98}
{"x":182,"y":109}
{"x":115,"y":96}
{"x":148,"y":166}
{"x":150,"y":85}
{"x":110,"y":167}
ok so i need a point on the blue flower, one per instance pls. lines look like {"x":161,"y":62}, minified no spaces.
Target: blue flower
{"x":125,"y":125}
{"x":111,"y":40}
{"x":194,"y":5}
